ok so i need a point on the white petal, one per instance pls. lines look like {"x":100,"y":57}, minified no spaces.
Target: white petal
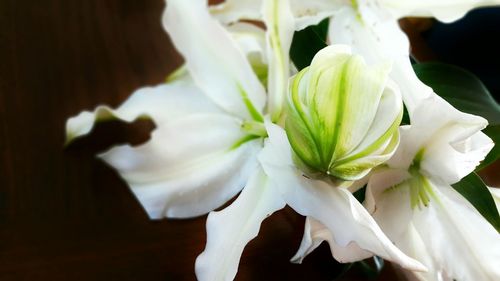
{"x":162,"y":103}
{"x":213,"y":58}
{"x":279,"y":22}
{"x":443,"y":132}
{"x":462,"y":243}
{"x":335,"y":207}
{"x":231,"y":11}
{"x":377,"y":36}
{"x":306,"y":13}
{"x":250,"y":38}
{"x":229,"y":230}
{"x":388,"y":200}
{"x":311,"y":12}
{"x":189,"y":167}
{"x":315,"y":233}
{"x":390,"y":206}
{"x":444,"y":10}
{"x":373,"y":35}
{"x":495,"y":192}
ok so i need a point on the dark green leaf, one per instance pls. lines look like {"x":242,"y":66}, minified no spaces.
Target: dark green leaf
{"x":406,"y":117}
{"x":360,"y":194}
{"x":476,"y":192}
{"x":460,"y":88}
{"x":370,"y":268}
{"x":307,"y":42}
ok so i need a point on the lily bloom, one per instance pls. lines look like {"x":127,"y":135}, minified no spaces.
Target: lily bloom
{"x":415,"y":205}
{"x":370,"y":27}
{"x":308,"y":165}
{"x":209,"y":116}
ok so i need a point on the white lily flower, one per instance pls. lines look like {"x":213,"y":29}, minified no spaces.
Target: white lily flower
{"x":209,"y":118}
{"x":305,"y":13}
{"x":415,"y":205}
{"x":338,"y":79}
{"x":370,"y":27}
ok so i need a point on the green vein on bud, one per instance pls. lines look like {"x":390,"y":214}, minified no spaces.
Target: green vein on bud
{"x":342,"y":115}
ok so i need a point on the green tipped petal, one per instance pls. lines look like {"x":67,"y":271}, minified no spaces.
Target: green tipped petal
{"x":343,"y":115}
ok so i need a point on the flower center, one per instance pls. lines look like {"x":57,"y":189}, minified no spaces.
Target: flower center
{"x":254,"y":128}
{"x":421,"y":190}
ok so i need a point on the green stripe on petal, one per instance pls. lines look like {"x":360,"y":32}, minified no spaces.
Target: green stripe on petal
{"x":343,"y":116}
{"x":254,"y":113}
{"x":280,"y":23}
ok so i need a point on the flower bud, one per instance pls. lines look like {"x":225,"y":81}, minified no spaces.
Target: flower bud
{"x":343,"y":116}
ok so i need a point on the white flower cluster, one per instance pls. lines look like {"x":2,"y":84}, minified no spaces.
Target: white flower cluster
{"x":238,"y":118}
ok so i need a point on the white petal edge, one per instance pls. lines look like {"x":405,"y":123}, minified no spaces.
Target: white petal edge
{"x":250,"y":38}
{"x":444,"y":10}
{"x":229,"y":230}
{"x":231,"y":11}
{"x":495,"y":192}
{"x":189,"y":167}
{"x":443,"y":132}
{"x":315,"y":233}
{"x":378,"y":38}
{"x":462,"y":243}
{"x":162,"y":103}
{"x":215,"y":61}
{"x":306,"y":13}
{"x":280,"y":27}
{"x":335,"y":207}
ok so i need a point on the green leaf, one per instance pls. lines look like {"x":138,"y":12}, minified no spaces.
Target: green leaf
{"x":476,"y":192}
{"x":360,"y":194}
{"x":370,"y":268}
{"x":460,"y":88}
{"x":307,"y":42}
{"x":467,"y":93}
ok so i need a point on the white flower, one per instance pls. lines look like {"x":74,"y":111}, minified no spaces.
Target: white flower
{"x":415,"y":205}
{"x":370,"y":27}
{"x":209,"y":117}
{"x":334,"y":75}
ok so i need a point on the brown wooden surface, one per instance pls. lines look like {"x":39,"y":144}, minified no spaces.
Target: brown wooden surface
{"x":64,"y":215}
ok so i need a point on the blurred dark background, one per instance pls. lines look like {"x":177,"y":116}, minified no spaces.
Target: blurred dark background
{"x":472,"y":43}
{"x":64,"y":215}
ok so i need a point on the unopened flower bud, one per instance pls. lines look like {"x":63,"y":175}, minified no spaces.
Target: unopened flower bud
{"x":343,"y":116}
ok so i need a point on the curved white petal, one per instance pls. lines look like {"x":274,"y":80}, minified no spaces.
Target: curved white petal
{"x":462,"y":243}
{"x":335,"y":207}
{"x":315,"y":233}
{"x":250,"y":38}
{"x":450,"y":140}
{"x":377,"y":37}
{"x":495,"y":192}
{"x":214,"y":59}
{"x":189,"y":167}
{"x":311,"y":12}
{"x":162,"y":103}
{"x":388,"y":200}
{"x":231,"y":11}
{"x":444,"y":10}
{"x":306,"y":13}
{"x":279,"y":22}
{"x":229,"y":230}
